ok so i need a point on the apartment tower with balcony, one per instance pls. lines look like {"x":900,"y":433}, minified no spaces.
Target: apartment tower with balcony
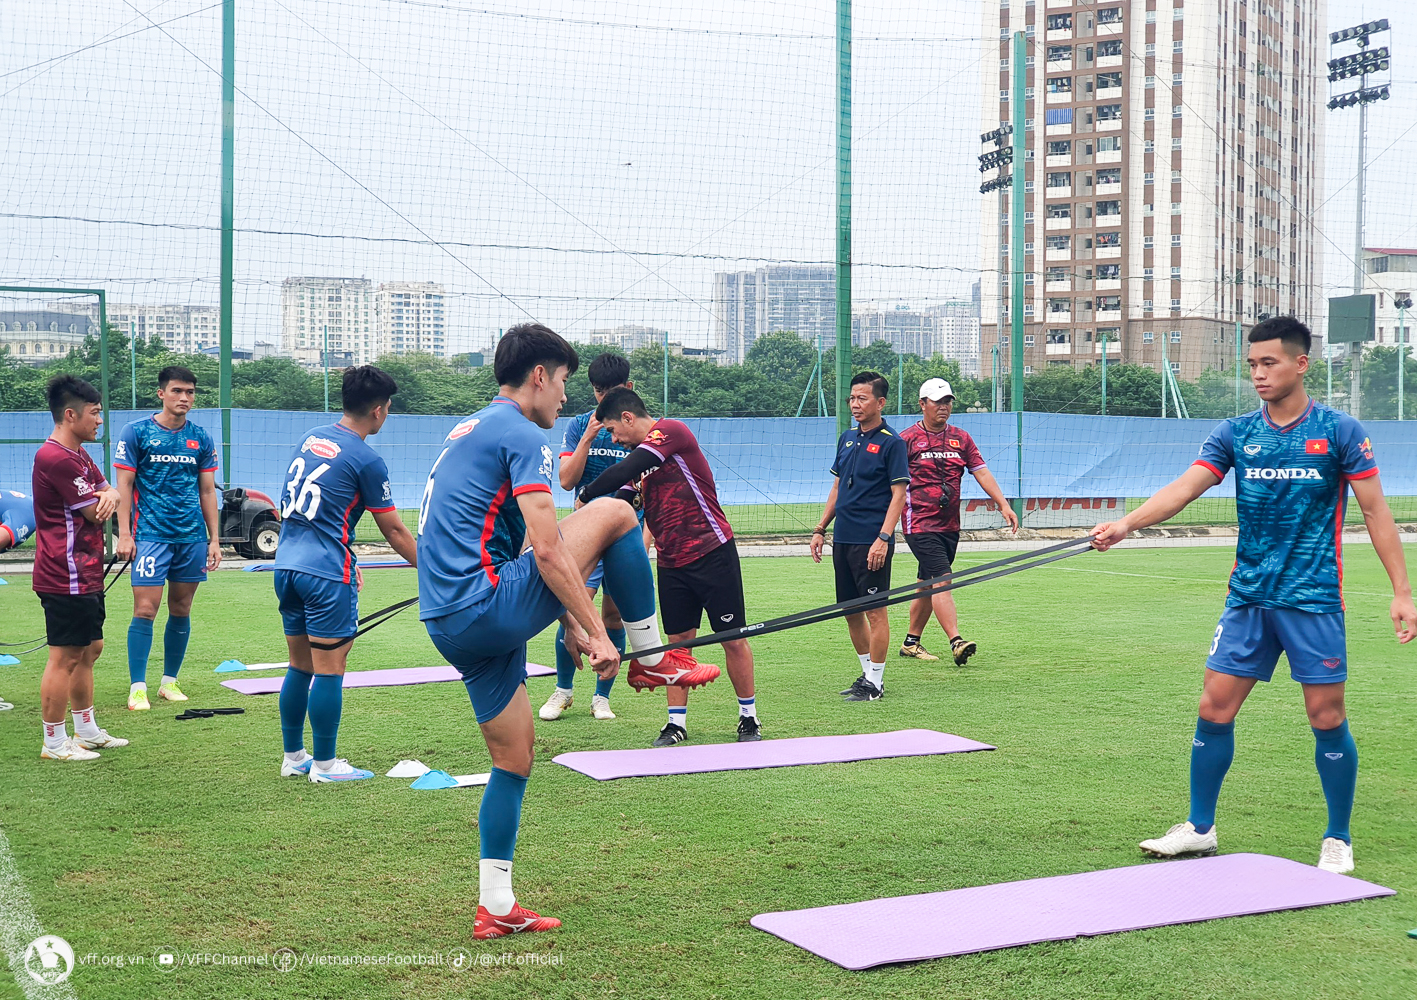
{"x":1173,"y":167}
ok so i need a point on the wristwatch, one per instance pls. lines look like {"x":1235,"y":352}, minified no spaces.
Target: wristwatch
{"x":885,"y":536}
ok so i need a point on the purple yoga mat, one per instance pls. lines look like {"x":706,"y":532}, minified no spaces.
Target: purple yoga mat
{"x":987,"y":917}
{"x":602,"y":765}
{"x":373,"y":678}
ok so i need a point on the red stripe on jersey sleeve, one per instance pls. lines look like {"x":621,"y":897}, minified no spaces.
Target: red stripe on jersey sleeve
{"x":1206,"y":465}
{"x":120,"y":465}
{"x":380,"y":510}
{"x":1362,"y":475}
{"x":566,"y":454}
{"x":531,"y":488}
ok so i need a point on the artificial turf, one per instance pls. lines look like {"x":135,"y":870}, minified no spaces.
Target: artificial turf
{"x":1087,"y":678}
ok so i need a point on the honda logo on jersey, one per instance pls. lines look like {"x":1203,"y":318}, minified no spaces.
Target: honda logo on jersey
{"x":1253,"y":473}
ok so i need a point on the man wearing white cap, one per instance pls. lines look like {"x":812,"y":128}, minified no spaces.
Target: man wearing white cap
{"x":939,"y":454}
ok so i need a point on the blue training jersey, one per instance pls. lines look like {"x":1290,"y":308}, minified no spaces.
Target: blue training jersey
{"x":603,"y":453}
{"x":469,"y":523}
{"x":1291,"y":486}
{"x":16,"y":515}
{"x":166,"y":465}
{"x":332,"y":479}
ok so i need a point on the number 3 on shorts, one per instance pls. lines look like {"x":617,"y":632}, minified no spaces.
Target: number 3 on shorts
{"x":1215,"y":643}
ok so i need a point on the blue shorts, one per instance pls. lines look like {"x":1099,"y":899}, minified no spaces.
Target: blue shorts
{"x":487,"y":642}
{"x":157,"y":563}
{"x":597,"y":576}
{"x":313,"y":605}
{"x":1250,"y":638}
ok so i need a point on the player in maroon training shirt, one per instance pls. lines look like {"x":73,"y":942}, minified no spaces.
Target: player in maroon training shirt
{"x":72,"y":499}
{"x":939,"y":454}
{"x":697,"y":561}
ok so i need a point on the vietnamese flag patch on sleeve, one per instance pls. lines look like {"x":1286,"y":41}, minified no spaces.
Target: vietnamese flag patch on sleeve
{"x":1316,"y":446}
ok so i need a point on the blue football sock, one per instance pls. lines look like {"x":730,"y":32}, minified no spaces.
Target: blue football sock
{"x":140,"y":644}
{"x":628,"y":578}
{"x":326,"y":703}
{"x":565,"y":663}
{"x":1336,"y":756}
{"x":500,"y":814}
{"x":294,"y":697}
{"x":174,"y":644}
{"x":602,"y":686}
{"x":1212,"y":750}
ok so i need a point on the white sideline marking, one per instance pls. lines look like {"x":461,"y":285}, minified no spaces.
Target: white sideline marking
{"x":19,"y":925}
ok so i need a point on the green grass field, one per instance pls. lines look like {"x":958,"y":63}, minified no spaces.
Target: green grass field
{"x":1086,"y":681}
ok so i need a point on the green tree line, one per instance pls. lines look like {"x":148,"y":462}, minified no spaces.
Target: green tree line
{"x":773,"y":381}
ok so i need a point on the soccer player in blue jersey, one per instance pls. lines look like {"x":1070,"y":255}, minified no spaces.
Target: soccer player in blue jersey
{"x":16,"y":518}
{"x":495,"y":568}
{"x":167,"y":525}
{"x":1294,"y":462}
{"x":586,"y":451}
{"x":332,"y":479}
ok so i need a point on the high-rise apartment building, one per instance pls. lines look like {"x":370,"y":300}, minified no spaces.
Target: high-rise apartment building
{"x":1173,"y":169}
{"x":410,"y":318}
{"x":183,"y":329}
{"x":334,"y":315}
{"x":749,"y":304}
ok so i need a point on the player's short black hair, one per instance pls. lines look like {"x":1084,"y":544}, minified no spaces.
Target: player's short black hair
{"x":364,"y":388}
{"x":527,"y":345}
{"x":1286,"y":328}
{"x":175,"y":373}
{"x":617,"y":401}
{"x":69,"y":392}
{"x":608,"y":370}
{"x":875,"y":380}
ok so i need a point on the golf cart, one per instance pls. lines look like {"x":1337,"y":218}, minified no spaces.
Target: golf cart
{"x":250,"y":523}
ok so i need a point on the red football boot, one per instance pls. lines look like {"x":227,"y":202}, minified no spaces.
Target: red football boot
{"x":678,"y":668}
{"x":520,"y":920}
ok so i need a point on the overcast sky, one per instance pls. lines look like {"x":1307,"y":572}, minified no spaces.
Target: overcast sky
{"x":587,"y":164}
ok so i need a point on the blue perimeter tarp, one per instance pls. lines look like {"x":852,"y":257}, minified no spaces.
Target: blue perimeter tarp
{"x":760,"y":460}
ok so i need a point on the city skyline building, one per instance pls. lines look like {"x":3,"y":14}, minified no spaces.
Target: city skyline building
{"x":1173,"y":170}
{"x":410,"y":318}
{"x":334,"y":315}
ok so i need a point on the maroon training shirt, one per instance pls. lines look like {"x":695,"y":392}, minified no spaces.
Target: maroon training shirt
{"x":937,"y":466}
{"x":680,"y":498}
{"x":69,"y":550}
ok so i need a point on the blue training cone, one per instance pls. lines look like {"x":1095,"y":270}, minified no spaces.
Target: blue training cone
{"x":229,"y":666}
{"x":4,"y":582}
{"x":7,"y":660}
{"x":435,"y":779}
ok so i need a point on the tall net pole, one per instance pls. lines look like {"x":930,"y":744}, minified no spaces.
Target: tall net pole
{"x":228,"y":208}
{"x":843,"y":212}
{"x":1020,"y":51}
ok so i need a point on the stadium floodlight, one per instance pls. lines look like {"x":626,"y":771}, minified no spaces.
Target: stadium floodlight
{"x":1002,"y":181}
{"x":995,"y":159}
{"x":1360,"y":65}
{"x":999,"y":136}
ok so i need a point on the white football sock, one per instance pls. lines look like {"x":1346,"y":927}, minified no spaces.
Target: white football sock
{"x":680,"y":717}
{"x":325,"y":765}
{"x":875,"y":673}
{"x":296,"y":757}
{"x":137,"y":686}
{"x":84,"y":724}
{"x":56,"y":734}
{"x":495,"y":886}
{"x":644,"y":634}
{"x":169,"y":679}
{"x":748,"y":707}
{"x":865,"y":659}
{"x":566,"y":691}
